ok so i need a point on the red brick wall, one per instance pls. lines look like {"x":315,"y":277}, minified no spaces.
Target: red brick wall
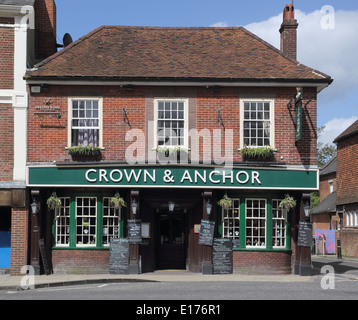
{"x":6,"y":54}
{"x":80,"y":261}
{"x":349,"y":242}
{"x":45,"y":25}
{"x":6,"y":142}
{"x":19,"y":240}
{"x":347,"y":170}
{"x":262,"y":262}
{"x":324,"y":185}
{"x":47,"y":135}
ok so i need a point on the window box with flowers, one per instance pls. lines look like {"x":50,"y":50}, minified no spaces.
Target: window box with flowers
{"x":172,"y":154}
{"x":85,"y":153}
{"x":257,"y":153}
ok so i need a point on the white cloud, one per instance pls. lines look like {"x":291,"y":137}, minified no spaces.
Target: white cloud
{"x":334,"y":128}
{"x":332,"y":51}
{"x":220,"y":24}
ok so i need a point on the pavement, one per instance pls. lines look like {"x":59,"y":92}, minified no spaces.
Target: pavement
{"x":8,"y":282}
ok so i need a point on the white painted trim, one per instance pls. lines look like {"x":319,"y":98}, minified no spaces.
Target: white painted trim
{"x":186,"y":119}
{"x":272,"y":119}
{"x":321,"y":86}
{"x":69,"y":120}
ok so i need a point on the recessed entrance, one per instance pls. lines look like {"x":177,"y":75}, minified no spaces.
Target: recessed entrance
{"x":171,"y":240}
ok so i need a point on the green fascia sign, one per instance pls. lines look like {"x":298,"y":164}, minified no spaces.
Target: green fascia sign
{"x":172,"y":176}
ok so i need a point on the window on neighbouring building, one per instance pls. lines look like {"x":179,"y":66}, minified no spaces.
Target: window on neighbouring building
{"x":231,"y":220}
{"x":171,"y":123}
{"x":256,"y":223}
{"x":257,"y":123}
{"x":85,"y":122}
{"x":352,"y":219}
{"x":278,"y":225}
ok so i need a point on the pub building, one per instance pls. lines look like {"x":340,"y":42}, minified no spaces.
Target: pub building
{"x":171,"y":121}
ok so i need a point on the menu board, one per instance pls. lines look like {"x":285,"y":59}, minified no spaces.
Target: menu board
{"x":305,"y":234}
{"x":206,"y":234}
{"x":222,"y":256}
{"x":119,"y":256}
{"x":135,"y":231}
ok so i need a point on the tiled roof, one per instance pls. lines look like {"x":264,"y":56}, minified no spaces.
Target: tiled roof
{"x":152,"y":53}
{"x":351,"y":130}
{"x":330,"y":167}
{"x":17,"y":2}
{"x":327,"y":205}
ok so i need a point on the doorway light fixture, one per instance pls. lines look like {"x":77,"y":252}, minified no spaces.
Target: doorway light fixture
{"x":171,"y":206}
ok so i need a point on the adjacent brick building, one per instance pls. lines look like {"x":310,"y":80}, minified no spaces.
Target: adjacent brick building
{"x":129,"y":94}
{"x":21,"y":40}
{"x":347,"y":192}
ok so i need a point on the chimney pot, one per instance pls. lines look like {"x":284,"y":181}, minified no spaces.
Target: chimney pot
{"x":289,"y":12}
{"x":288,"y":32}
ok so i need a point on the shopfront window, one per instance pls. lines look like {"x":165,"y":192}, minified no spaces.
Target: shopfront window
{"x":256,"y":223}
{"x":278,"y":226}
{"x":111,"y":220}
{"x":231,"y":220}
{"x":62,"y":223}
{"x":86,"y":219}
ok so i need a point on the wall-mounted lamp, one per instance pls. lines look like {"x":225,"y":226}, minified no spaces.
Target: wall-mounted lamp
{"x":134,"y":207}
{"x":34,"y":207}
{"x":307,"y":210}
{"x":171,"y":206}
{"x":209,"y":206}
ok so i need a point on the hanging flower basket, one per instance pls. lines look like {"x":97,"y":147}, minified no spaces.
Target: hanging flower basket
{"x":287,"y":203}
{"x":225,"y":202}
{"x":117,"y":201}
{"x":53,"y":202}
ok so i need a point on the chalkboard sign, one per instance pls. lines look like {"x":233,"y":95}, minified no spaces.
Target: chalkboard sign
{"x":206,"y":234}
{"x":222,"y":256}
{"x":135,"y":231}
{"x":44,"y":257}
{"x":119,"y":256}
{"x":305,"y":234}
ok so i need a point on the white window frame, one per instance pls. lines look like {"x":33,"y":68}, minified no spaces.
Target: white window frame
{"x":89,"y":225}
{"x":186,"y":121}
{"x":62,"y":229}
{"x":281,"y":218}
{"x":272,"y":120}
{"x":109,"y":212}
{"x":231,"y":220}
{"x":252,"y":245}
{"x":100,"y":118}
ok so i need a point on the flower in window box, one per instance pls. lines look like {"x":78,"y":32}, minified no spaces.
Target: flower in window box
{"x":259,"y":153}
{"x":85,"y":153}
{"x":172,"y":154}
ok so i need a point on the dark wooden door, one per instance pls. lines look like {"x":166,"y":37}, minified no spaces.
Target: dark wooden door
{"x":171,"y":241}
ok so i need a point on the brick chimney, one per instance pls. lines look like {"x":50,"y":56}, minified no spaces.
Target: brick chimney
{"x":45,"y":28}
{"x":288,"y":32}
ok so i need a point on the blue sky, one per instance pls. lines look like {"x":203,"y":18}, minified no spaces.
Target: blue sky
{"x":332,"y":51}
